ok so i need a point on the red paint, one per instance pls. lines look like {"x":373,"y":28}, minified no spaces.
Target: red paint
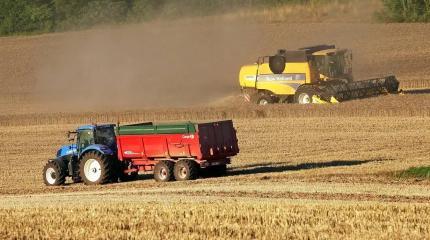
{"x":212,"y":144}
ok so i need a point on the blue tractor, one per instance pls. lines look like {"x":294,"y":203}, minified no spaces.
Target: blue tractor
{"x":91,"y":158}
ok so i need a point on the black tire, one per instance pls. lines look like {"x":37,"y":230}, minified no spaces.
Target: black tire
{"x":304,"y":95}
{"x":264,"y":100}
{"x":186,"y":170}
{"x":163,"y":171}
{"x":53,"y":174}
{"x":102,"y":172}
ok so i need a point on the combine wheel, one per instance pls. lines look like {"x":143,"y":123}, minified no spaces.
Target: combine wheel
{"x":163,"y":171}
{"x":53,"y":175}
{"x":264,"y":100}
{"x":96,"y":168}
{"x":186,"y":170}
{"x":304,"y":95}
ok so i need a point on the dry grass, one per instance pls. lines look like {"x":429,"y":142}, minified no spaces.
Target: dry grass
{"x":413,"y":104}
{"x":165,"y":216}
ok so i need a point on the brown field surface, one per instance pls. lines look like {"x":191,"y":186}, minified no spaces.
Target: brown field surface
{"x":304,"y":172}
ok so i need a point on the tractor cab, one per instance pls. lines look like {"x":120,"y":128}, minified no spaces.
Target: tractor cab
{"x":90,"y":136}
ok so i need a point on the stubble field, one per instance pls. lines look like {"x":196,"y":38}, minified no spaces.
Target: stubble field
{"x":304,"y":172}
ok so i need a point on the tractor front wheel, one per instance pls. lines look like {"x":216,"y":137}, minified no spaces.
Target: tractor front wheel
{"x":96,"y":168}
{"x":53,"y":175}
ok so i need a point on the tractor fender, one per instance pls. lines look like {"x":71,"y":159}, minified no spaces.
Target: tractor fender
{"x":61,"y":162}
{"x":103,"y":149}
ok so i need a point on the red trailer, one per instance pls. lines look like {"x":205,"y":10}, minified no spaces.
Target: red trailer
{"x":176,"y":151}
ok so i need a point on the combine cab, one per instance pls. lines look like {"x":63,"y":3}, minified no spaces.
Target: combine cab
{"x":317,"y":74}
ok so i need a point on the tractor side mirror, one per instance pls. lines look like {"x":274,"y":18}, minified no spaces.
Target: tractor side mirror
{"x":277,"y":64}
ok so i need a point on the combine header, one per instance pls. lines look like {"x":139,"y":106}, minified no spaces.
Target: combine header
{"x":317,"y":74}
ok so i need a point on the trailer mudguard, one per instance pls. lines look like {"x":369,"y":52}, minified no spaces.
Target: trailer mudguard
{"x":103,"y":149}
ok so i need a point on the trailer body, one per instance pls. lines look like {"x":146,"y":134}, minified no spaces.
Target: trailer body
{"x":208,"y":144}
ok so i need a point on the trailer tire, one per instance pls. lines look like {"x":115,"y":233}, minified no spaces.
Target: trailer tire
{"x":53,"y":174}
{"x":96,"y":168}
{"x":163,"y":171}
{"x":304,"y":95}
{"x":186,"y":170}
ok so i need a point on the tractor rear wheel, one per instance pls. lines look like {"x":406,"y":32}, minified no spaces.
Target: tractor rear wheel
{"x":53,"y":175}
{"x":186,"y":170}
{"x":96,"y":168}
{"x":163,"y":171}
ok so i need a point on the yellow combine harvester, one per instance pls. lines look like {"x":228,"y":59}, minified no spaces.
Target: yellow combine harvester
{"x":316,"y":74}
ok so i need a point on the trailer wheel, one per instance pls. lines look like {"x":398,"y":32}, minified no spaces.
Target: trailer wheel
{"x":53,"y":175}
{"x":304,"y":95}
{"x":96,"y":168}
{"x":186,"y":170}
{"x":163,"y":171}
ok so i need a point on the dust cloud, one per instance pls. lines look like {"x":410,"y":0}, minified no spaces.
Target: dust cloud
{"x":191,"y":62}
{"x":165,"y":64}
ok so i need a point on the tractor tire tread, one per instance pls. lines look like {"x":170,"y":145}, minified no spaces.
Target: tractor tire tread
{"x":106,"y":164}
{"x":61,"y":179}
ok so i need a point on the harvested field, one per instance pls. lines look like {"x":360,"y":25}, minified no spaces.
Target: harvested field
{"x":304,"y":172}
{"x":331,"y":177}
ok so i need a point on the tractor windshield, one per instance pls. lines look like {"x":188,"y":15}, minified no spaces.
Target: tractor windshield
{"x":85,"y":138}
{"x":106,"y":136}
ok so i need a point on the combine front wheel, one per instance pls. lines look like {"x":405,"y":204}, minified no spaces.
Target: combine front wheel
{"x":304,"y":95}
